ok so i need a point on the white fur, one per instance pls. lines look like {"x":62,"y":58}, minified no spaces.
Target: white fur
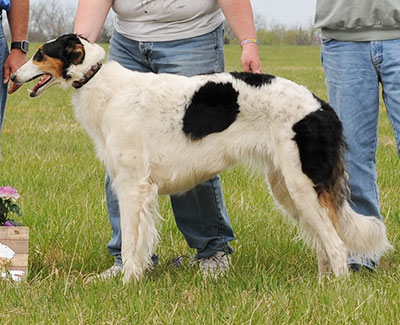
{"x":135,"y":121}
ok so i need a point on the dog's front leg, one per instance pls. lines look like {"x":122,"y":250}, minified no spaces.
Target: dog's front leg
{"x":139,"y":217}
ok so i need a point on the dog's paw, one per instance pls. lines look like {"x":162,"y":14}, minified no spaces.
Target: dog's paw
{"x":131,"y":272}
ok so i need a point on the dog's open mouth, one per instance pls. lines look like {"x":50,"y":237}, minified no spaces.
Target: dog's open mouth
{"x":46,"y":78}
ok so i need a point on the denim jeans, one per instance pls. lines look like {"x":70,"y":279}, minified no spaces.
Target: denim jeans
{"x":3,"y":87}
{"x":200,"y":213}
{"x":353,"y":72}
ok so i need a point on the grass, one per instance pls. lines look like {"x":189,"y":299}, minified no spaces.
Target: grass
{"x":273,"y":279}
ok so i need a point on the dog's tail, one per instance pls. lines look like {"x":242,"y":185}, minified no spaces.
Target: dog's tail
{"x":321,"y":145}
{"x":362,"y":234}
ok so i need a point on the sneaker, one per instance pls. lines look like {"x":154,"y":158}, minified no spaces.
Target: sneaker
{"x":358,"y":262}
{"x":215,"y":265}
{"x":355,"y":267}
{"x":113,"y":271}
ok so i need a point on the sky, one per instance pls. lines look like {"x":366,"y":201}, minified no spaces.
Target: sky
{"x":287,"y":12}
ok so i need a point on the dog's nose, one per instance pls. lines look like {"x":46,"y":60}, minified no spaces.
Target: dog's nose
{"x":13,"y":77}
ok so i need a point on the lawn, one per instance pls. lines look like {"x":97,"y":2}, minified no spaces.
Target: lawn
{"x":50,"y":160}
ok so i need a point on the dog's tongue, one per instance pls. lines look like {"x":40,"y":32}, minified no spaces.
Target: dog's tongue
{"x":41,"y":83}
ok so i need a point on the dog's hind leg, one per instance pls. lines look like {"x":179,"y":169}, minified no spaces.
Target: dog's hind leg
{"x":318,"y":228}
{"x":314,"y":220}
{"x":139,"y":217}
{"x":279,"y":190}
{"x":324,"y":264}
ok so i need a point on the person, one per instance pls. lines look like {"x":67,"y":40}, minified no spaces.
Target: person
{"x":186,"y":39}
{"x":360,"y":50}
{"x":18,"y":19}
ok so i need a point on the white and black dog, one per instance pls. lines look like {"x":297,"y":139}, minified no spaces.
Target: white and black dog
{"x":163,"y":134}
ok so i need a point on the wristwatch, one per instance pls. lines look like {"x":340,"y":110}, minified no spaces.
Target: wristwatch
{"x":23,"y":46}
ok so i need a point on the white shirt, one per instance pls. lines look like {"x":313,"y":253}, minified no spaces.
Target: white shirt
{"x":166,"y":20}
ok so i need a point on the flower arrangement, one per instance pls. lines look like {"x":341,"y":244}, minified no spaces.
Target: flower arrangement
{"x":8,"y":199}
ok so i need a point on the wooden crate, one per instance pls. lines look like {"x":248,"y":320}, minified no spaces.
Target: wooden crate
{"x":16,"y":238}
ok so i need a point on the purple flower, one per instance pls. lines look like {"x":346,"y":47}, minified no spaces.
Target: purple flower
{"x":8,"y":224}
{"x":8,"y":198}
{"x":9,"y":193}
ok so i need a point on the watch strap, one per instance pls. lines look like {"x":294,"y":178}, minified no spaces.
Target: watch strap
{"x":22,"y":45}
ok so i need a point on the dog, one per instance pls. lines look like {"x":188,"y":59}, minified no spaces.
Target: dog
{"x":161,"y":134}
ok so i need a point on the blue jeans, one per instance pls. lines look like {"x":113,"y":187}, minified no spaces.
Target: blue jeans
{"x":353,"y":72}
{"x":200,"y":213}
{"x":3,"y":87}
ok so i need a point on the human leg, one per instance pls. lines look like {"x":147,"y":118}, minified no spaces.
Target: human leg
{"x":205,"y":204}
{"x":200,"y":213}
{"x":114,"y":245}
{"x":3,"y":87}
{"x":353,"y":90}
{"x":201,"y":216}
{"x":390,"y":77}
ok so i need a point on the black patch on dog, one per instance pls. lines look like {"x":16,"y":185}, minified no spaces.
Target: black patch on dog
{"x":62,"y":48}
{"x":253,"y":79}
{"x":213,"y":108}
{"x":56,"y":48}
{"x":320,"y":141}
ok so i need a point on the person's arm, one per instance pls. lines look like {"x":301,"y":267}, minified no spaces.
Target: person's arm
{"x":90,"y":17}
{"x":239,"y":16}
{"x":18,"y":19}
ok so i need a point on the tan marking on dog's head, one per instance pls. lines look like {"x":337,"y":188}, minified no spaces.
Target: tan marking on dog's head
{"x":48,"y":64}
{"x":76,"y":53}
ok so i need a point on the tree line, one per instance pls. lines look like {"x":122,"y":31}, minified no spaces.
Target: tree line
{"x":280,"y":34}
{"x":52,"y":18}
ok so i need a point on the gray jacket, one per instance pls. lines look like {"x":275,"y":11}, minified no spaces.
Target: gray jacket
{"x":358,"y":20}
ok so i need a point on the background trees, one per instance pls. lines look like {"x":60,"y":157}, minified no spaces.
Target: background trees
{"x":51,"y":18}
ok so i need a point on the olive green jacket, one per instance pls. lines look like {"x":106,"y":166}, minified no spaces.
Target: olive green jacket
{"x":358,"y":20}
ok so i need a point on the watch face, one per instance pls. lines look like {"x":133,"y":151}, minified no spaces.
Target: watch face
{"x":25,"y":46}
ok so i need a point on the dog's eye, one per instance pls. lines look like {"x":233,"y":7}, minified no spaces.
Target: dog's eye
{"x":39,"y":57}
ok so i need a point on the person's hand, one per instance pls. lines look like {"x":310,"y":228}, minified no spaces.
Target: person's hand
{"x":250,"y":59}
{"x":15,"y":60}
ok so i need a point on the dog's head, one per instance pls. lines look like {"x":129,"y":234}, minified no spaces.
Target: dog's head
{"x":65,"y":60}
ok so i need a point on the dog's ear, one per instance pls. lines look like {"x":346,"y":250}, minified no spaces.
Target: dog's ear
{"x":74,"y":54}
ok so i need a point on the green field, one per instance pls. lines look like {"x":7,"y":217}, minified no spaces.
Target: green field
{"x":49,"y":159}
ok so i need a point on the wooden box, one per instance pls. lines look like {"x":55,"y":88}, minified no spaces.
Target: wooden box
{"x":17,"y":239}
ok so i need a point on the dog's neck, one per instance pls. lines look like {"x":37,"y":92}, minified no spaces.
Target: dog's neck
{"x":87,"y":76}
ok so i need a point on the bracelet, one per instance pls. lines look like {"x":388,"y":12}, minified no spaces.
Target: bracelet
{"x":249,"y":41}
